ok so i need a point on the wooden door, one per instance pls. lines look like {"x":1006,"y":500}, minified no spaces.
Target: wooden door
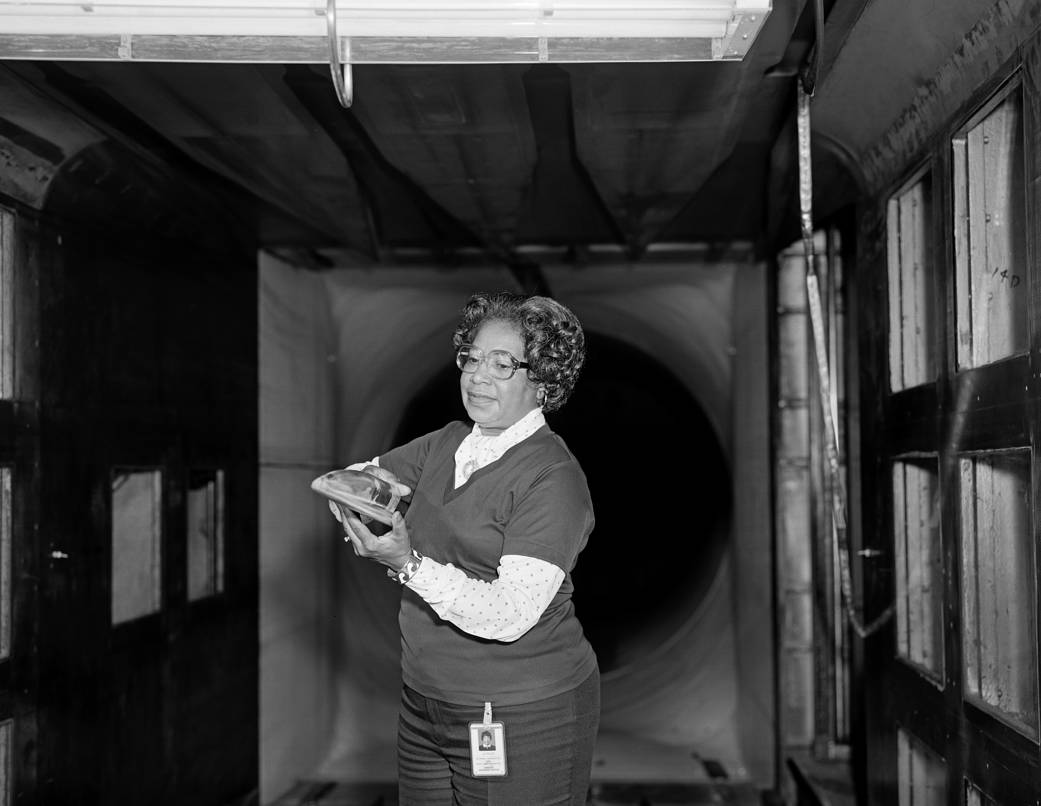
{"x":950,"y":350}
{"x":133,"y":476}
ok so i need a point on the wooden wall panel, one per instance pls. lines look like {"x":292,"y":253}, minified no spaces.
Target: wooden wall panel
{"x":874,"y":756}
{"x":148,"y":359}
{"x":993,"y":41}
{"x":991,"y":407}
{"x":31,"y":248}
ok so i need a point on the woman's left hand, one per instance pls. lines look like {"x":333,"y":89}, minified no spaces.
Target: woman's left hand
{"x":392,"y":549}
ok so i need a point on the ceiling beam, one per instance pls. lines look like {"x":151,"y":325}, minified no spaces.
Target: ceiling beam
{"x":403,"y":214}
{"x":99,"y":109}
{"x":563,"y":206}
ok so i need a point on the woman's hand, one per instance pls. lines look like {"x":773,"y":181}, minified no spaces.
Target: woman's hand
{"x":392,"y":549}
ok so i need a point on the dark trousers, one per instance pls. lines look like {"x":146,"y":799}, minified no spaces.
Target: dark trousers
{"x":549,"y":750}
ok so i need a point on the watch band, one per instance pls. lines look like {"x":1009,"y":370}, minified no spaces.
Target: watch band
{"x":408,"y":570}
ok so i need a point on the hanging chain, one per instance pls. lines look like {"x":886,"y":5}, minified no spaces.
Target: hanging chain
{"x":831,"y":436}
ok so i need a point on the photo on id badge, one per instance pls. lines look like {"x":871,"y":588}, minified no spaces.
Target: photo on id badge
{"x":487,"y":748}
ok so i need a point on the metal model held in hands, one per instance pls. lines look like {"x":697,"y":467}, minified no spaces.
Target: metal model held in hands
{"x":362,"y":492}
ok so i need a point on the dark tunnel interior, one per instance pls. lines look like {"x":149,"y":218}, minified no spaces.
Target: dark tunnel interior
{"x":656,"y":473}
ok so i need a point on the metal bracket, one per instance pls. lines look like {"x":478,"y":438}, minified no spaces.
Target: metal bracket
{"x":343,"y":80}
{"x":126,"y":47}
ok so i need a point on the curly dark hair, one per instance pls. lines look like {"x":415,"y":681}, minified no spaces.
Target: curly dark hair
{"x":554,"y":344}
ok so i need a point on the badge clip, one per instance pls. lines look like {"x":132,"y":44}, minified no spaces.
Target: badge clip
{"x":488,"y":746}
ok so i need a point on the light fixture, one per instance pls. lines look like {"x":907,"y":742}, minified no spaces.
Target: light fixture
{"x":381,"y":31}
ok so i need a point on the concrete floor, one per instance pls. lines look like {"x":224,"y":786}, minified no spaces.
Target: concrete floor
{"x":627,"y":771}
{"x":618,"y":758}
{"x":331,"y":793}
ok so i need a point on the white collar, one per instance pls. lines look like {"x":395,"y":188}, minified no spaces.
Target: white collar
{"x":478,"y":450}
{"x":523,"y":428}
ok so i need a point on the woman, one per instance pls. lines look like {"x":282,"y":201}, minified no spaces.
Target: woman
{"x":497,"y":514}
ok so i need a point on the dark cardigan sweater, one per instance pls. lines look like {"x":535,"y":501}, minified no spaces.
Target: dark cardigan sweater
{"x":533,"y":502}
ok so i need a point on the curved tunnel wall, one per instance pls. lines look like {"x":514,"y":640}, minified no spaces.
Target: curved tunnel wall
{"x":388,"y":338}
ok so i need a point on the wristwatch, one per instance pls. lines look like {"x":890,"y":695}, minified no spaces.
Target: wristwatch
{"x":408,"y":570}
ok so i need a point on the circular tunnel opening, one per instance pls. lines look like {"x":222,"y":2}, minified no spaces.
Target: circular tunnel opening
{"x":660,"y":485}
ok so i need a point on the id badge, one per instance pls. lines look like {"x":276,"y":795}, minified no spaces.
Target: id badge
{"x":488,"y":746}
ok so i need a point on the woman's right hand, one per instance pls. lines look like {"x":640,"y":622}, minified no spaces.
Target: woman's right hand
{"x":392,"y":548}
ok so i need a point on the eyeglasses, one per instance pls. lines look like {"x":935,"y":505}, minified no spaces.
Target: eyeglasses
{"x":498,"y":363}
